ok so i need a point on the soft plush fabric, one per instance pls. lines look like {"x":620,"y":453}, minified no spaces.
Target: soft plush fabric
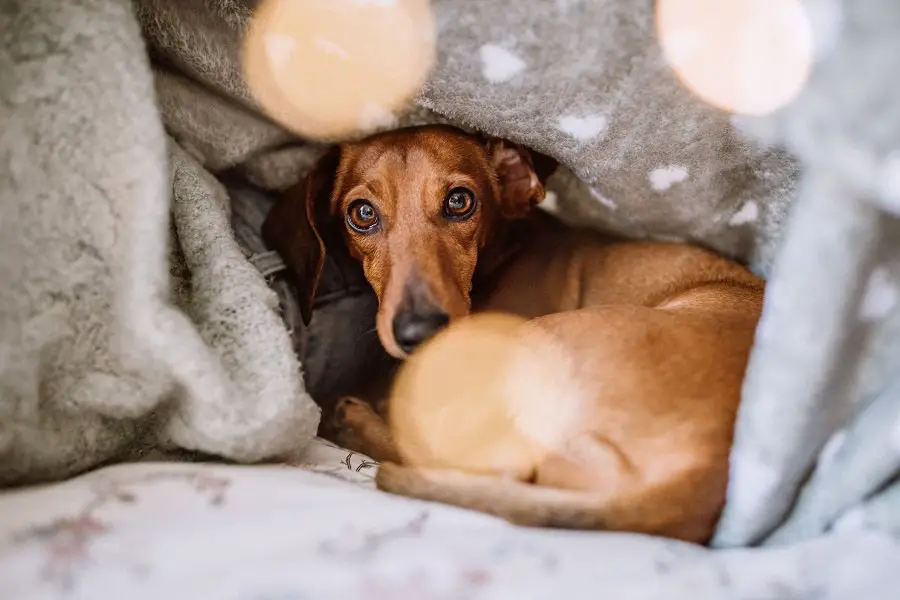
{"x":94,"y":354}
{"x":135,"y":310}
{"x":187,"y":531}
{"x":821,"y":408}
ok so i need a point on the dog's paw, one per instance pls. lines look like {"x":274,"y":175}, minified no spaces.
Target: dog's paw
{"x":358,"y":427}
{"x":347,"y":422}
{"x":347,"y":409}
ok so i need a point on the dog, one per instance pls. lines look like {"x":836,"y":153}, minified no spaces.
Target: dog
{"x":443,"y":224}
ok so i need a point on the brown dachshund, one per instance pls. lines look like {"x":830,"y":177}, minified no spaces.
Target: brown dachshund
{"x":656,"y":335}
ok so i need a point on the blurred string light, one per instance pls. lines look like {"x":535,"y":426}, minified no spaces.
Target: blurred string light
{"x":329,"y":69}
{"x":749,"y":57}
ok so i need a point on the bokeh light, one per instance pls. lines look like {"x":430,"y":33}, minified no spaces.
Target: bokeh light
{"x":450,"y":404}
{"x":749,"y":57}
{"x":329,"y":69}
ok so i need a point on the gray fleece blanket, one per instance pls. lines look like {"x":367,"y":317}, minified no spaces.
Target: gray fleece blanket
{"x":139,"y":309}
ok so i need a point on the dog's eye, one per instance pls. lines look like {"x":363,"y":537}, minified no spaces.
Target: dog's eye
{"x":459,"y":204}
{"x":362,"y":216}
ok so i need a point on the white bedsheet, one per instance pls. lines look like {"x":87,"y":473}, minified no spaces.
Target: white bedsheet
{"x":179,"y":530}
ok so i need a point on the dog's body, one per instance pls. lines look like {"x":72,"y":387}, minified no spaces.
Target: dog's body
{"x":660,"y":333}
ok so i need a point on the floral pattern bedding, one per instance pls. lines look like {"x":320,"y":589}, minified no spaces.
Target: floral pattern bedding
{"x":319,"y":529}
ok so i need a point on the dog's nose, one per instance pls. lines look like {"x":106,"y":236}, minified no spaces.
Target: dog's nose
{"x":411,"y":328}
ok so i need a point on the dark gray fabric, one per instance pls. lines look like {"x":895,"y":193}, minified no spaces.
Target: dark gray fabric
{"x":340,"y":344}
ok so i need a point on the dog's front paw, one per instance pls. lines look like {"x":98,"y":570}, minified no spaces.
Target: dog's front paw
{"x":358,"y":427}
{"x":346,"y":412}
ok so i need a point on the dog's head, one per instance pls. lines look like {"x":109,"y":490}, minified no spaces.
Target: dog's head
{"x":416,"y":207}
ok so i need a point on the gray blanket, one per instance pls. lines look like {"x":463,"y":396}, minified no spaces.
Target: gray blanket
{"x":132,"y":316}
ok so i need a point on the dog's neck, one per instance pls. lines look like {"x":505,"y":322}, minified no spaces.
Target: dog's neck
{"x":507,"y":240}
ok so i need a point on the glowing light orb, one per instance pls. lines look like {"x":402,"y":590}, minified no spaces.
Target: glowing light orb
{"x":748,"y":57}
{"x":328,"y":69}
{"x":449,"y":403}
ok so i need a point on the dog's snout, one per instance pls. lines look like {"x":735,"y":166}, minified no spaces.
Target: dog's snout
{"x":412,"y":328}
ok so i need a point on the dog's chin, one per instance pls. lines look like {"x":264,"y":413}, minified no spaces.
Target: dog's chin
{"x":389,"y":343}
{"x":395,"y":351}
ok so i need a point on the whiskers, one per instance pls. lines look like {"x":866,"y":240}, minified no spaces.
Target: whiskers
{"x":365,"y":334}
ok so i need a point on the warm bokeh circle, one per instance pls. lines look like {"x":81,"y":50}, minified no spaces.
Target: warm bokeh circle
{"x":749,"y":57}
{"x":329,"y":69}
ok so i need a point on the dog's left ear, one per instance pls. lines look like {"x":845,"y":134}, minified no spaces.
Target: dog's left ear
{"x":295,"y":228}
{"x":521,"y":174}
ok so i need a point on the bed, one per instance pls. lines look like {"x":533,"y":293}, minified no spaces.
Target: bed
{"x":319,"y":529}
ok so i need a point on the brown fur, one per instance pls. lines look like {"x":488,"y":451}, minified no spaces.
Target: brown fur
{"x":661,"y":331}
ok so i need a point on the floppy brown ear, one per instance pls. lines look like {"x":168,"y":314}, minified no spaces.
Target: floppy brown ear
{"x":521,"y":175}
{"x":294,"y":226}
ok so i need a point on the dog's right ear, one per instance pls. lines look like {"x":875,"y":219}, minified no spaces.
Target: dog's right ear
{"x":521,"y":188}
{"x":294,"y":228}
